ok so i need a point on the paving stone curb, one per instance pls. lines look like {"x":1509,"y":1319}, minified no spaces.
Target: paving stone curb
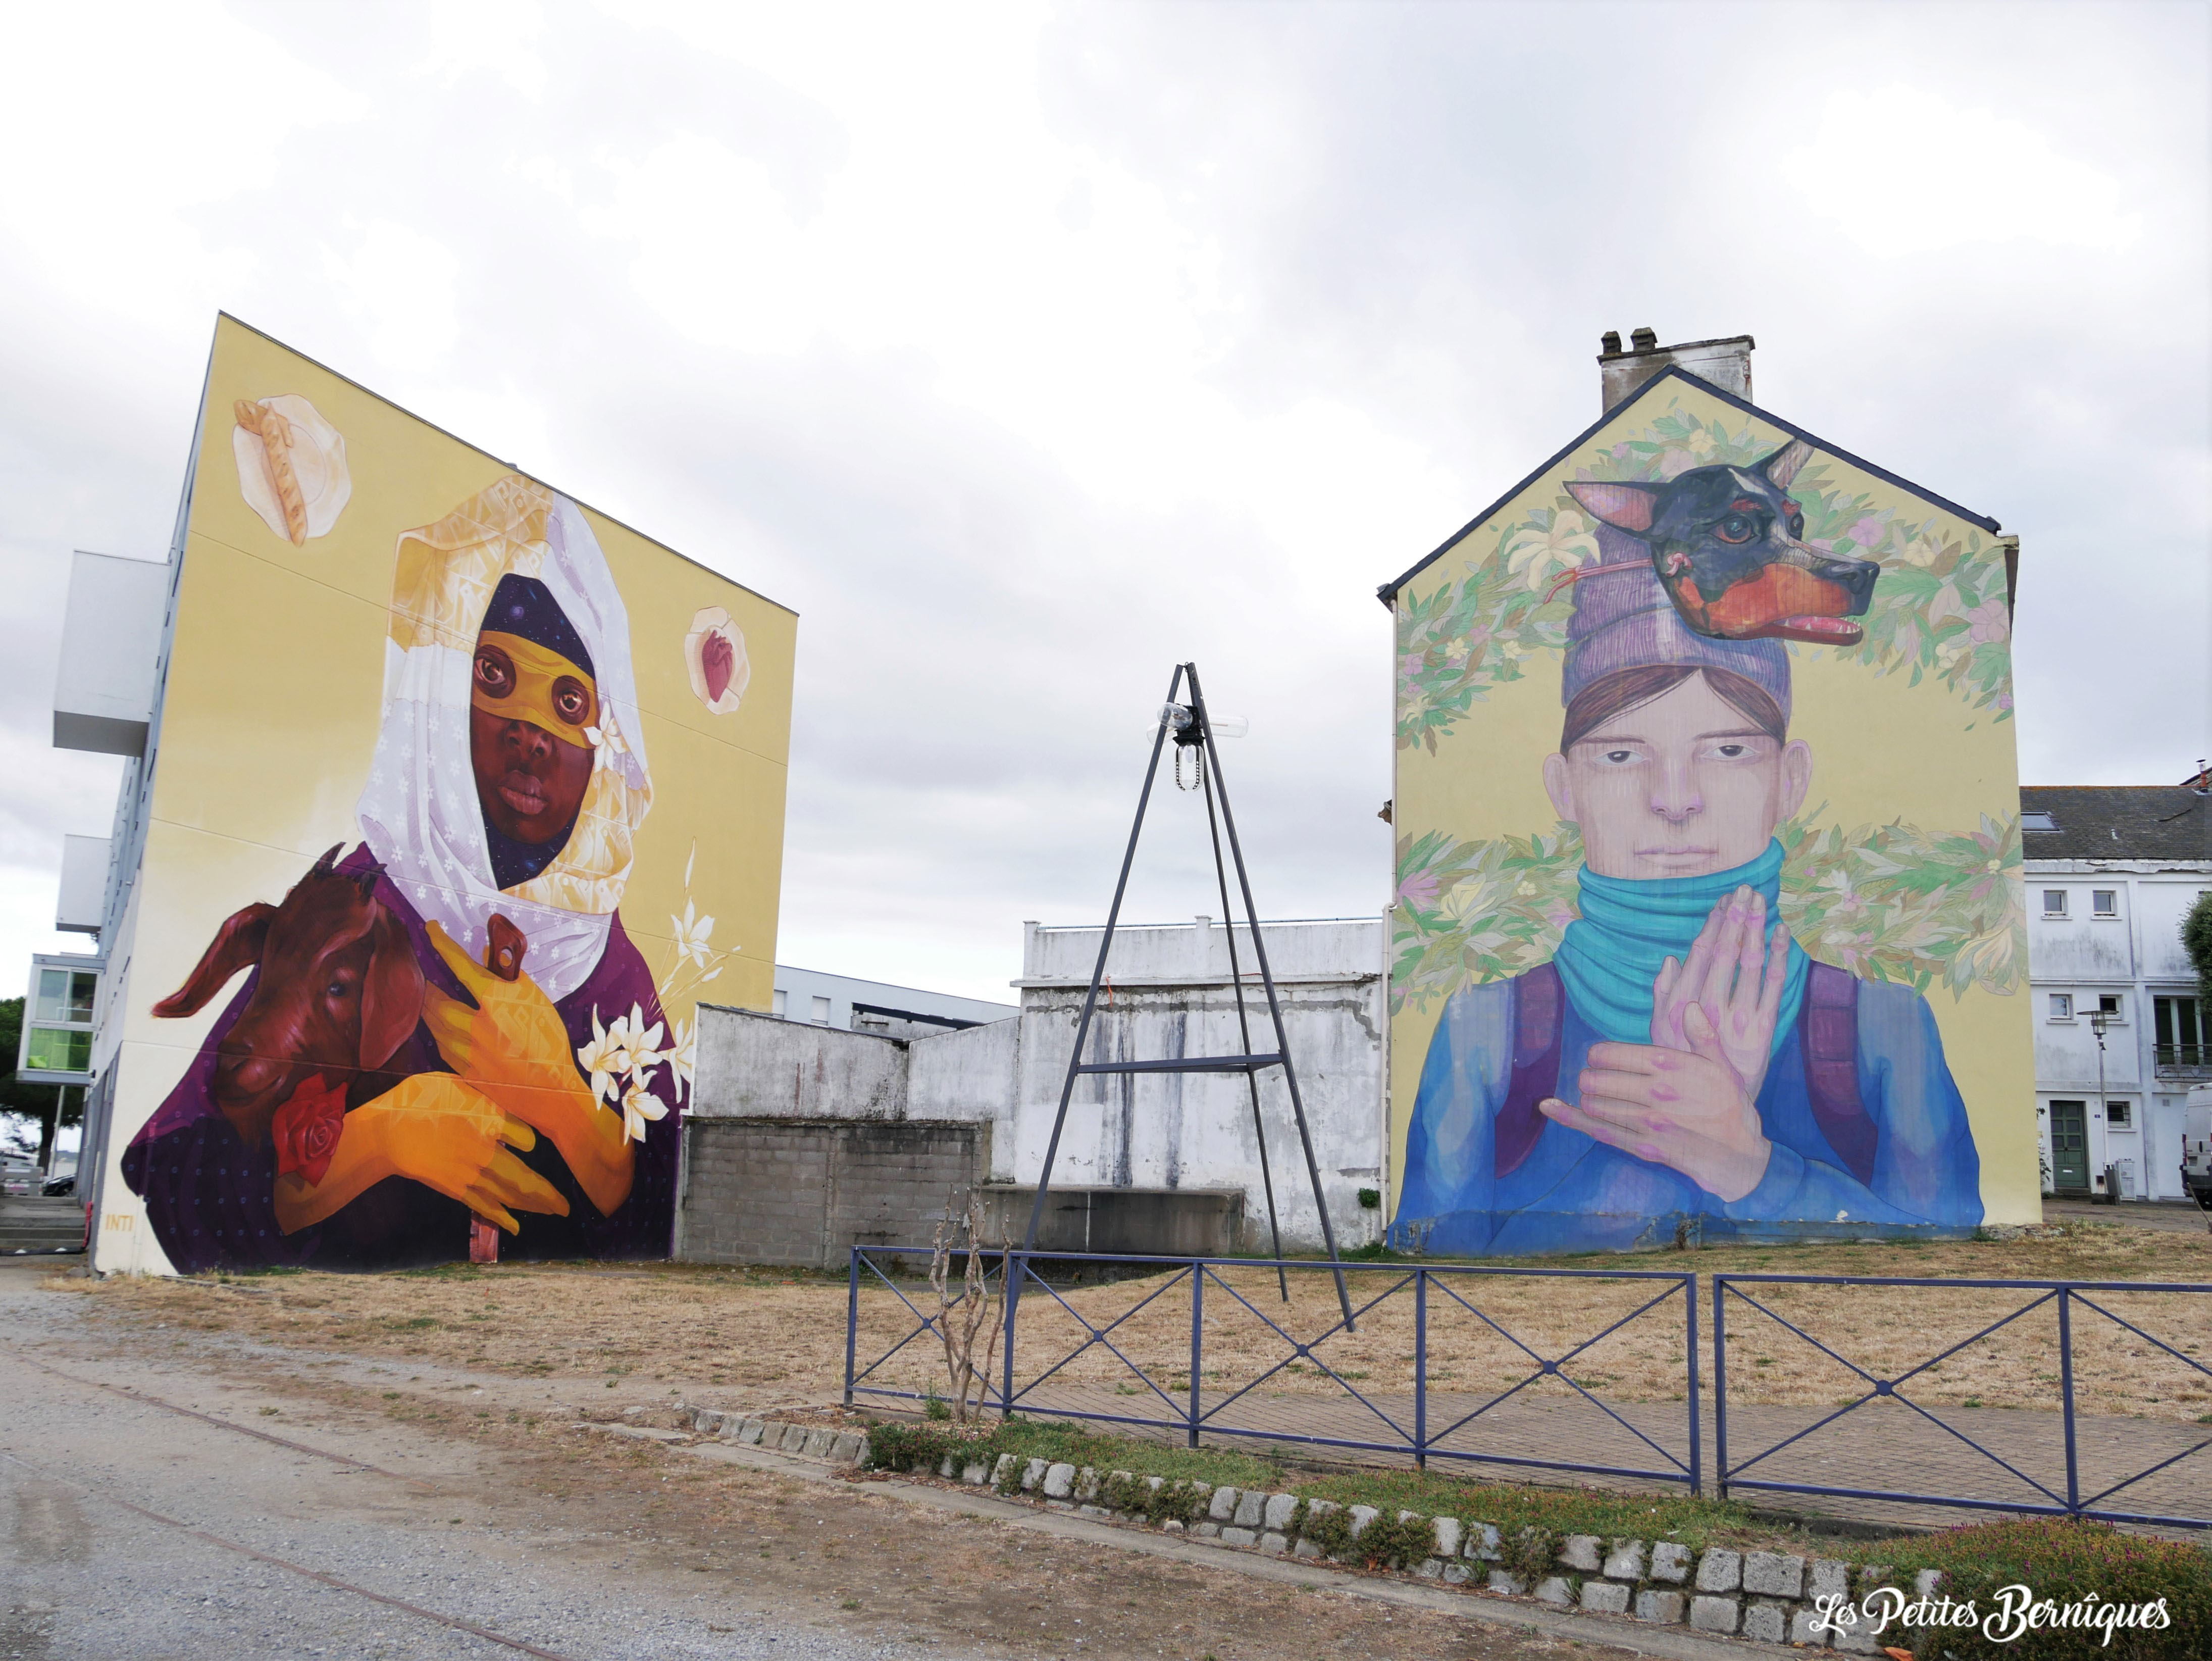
{"x":1764,"y":1596}
{"x":839,"y":1447}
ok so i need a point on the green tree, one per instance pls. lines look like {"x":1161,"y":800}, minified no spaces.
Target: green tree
{"x":2197,"y":939}
{"x":50,"y":1106}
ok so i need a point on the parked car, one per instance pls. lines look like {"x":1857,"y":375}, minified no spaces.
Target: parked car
{"x":60,"y":1184}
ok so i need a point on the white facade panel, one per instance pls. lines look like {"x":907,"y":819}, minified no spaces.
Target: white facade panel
{"x":79,"y":907}
{"x":111,"y":652}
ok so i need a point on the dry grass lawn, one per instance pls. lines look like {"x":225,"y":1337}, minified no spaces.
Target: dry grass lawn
{"x":771,"y":1338}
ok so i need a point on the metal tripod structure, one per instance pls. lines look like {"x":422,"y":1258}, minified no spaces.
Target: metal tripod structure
{"x":1188,"y":727}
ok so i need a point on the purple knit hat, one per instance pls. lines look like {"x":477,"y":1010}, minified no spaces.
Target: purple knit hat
{"x":1624,"y":620}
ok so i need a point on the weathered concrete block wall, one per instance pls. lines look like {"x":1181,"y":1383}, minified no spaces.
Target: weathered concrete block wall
{"x":803,"y":1192}
{"x":1173,"y":995}
{"x":965,"y":1076}
{"x":1192,"y":1222}
{"x":753,"y":1066}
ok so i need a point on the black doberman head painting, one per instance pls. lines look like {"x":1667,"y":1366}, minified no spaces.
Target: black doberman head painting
{"x":1728,"y":544}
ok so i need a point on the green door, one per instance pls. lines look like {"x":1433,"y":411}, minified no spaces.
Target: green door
{"x":2069,"y":1147}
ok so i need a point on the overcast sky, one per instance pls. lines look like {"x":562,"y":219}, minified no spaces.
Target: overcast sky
{"x":1025,"y":350}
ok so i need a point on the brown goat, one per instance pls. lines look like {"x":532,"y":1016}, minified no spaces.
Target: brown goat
{"x":338,"y":992}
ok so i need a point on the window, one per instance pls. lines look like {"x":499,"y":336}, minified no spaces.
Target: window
{"x":2054,"y":902}
{"x":2120,"y":1115}
{"x":819,"y":1011}
{"x":2178,"y":1029}
{"x":2062,"y":1005}
{"x":57,"y":1049}
{"x":2111,"y":1007}
{"x":56,"y":1046}
{"x":780,"y":1003}
{"x":2038,"y":819}
{"x":2105,"y":902}
{"x":65,"y":995}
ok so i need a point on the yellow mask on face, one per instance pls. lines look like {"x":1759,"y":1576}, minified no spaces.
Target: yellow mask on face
{"x":518,"y":680}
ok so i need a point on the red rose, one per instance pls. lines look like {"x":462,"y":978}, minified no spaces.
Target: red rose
{"x":307,"y":1126}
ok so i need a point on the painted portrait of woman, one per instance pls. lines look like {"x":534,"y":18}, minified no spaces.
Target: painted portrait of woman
{"x":1680,"y":1059}
{"x":447,"y":1021}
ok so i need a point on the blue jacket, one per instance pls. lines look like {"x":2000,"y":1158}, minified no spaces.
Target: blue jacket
{"x":1572,"y":1193}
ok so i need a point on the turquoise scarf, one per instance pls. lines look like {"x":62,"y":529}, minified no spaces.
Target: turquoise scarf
{"x":1611,"y":954}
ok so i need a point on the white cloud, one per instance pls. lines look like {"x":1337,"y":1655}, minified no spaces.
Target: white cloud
{"x":1903,"y":170}
{"x":1027,"y":351}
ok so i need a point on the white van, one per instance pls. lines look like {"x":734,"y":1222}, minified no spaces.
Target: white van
{"x":2197,"y":1144}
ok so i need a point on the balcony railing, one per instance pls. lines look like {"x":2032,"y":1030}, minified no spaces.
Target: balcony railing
{"x":2183,"y":1061}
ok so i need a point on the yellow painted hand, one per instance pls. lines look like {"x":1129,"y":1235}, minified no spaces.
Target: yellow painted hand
{"x":514,"y":1046}
{"x":435,"y":1129}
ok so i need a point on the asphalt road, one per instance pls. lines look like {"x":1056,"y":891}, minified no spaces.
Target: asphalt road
{"x":137,"y":1531}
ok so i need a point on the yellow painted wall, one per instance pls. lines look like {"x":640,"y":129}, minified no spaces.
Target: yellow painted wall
{"x":1937,"y":757}
{"x":274,"y":698}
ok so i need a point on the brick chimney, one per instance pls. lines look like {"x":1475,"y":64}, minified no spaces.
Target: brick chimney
{"x":1725,"y":363}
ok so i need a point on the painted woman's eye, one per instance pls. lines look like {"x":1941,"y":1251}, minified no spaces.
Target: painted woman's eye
{"x":1618,"y":756}
{"x":571,"y":702}
{"x":494,"y":673}
{"x":1734,"y":751}
{"x":1797,"y":526}
{"x":1736,"y":527}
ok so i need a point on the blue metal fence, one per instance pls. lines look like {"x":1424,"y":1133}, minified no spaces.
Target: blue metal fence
{"x":1426,"y":1423}
{"x":2048,"y":1495}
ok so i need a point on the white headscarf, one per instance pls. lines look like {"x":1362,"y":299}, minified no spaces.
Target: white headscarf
{"x":419,"y":812}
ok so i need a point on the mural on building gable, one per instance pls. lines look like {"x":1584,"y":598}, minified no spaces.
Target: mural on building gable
{"x":447,"y":1016}
{"x":1708,"y":910}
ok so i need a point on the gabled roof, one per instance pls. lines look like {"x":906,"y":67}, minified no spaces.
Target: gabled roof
{"x":2116,"y":822}
{"x":1387,"y":593}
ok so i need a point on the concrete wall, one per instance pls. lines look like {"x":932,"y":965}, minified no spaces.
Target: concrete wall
{"x":1185,"y":1139}
{"x":753,"y":1066}
{"x":803,"y":1192}
{"x":1171,"y":994}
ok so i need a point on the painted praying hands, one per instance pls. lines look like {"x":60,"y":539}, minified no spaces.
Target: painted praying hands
{"x":1689,"y":1098}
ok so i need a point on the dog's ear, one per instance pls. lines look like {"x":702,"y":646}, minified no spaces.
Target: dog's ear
{"x":1624,"y":506}
{"x":1786,"y":463}
{"x":391,"y":991}
{"x":237,"y":945}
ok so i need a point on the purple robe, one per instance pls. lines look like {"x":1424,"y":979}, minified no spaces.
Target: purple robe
{"x":211,"y":1199}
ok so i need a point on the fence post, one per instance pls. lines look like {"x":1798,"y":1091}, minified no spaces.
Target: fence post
{"x":1720,"y":1387}
{"x":1420,"y":1369}
{"x":1690,"y":1350}
{"x":1197,"y":1338}
{"x":2066,"y":1397}
{"x":852,"y":1320}
{"x":1017,"y":1266}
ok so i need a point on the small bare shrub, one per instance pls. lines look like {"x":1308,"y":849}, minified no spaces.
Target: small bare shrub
{"x":974,"y":1312}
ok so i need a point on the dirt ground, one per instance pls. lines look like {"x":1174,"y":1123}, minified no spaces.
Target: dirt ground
{"x":765,"y":1340}
{"x":843,"y":1556}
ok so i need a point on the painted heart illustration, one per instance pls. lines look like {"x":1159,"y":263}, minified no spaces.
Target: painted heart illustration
{"x":717,"y":661}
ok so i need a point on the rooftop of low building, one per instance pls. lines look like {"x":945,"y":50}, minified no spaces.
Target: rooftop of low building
{"x":2115,"y":821}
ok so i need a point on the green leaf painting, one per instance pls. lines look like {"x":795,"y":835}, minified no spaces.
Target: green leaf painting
{"x":1886,"y":902}
{"x":1939,"y":609}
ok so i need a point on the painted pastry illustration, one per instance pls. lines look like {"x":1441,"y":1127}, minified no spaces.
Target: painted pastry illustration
{"x":291,"y":467}
{"x":715,"y":652}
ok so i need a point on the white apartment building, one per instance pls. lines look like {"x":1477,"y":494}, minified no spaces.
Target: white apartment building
{"x":2120,"y":1032}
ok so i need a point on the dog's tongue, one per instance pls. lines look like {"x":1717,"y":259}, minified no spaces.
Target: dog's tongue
{"x":1823,"y":631}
